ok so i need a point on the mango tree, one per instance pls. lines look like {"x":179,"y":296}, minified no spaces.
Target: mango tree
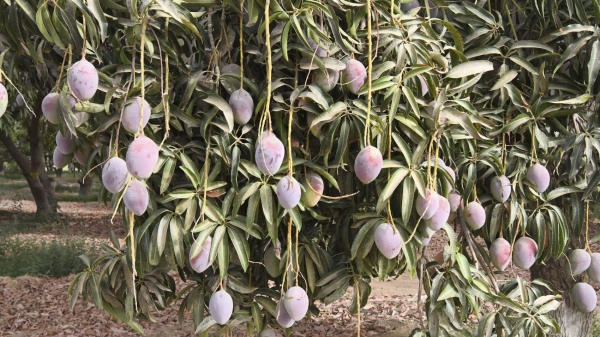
{"x":274,"y":154}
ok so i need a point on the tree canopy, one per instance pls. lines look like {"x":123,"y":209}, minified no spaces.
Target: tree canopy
{"x":455,"y":94}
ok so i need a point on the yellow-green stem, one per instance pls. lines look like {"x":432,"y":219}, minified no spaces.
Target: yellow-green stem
{"x":369,"y":75}
{"x":142,"y":45}
{"x":241,"y":44}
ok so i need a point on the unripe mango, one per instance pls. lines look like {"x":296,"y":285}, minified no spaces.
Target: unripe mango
{"x":288,"y":192}
{"x":454,"y":199}
{"x":593,"y":271}
{"x":578,"y":261}
{"x":61,"y":160}
{"x":83,"y":80}
{"x":439,"y":218}
{"x":267,"y":333}
{"x":326,"y":81}
{"x":141,"y":157}
{"x":311,"y":196}
{"x":81,"y":156}
{"x":65,"y":144}
{"x":242,"y":106}
{"x":200,"y":262}
{"x":387,"y":240}
{"x":114,"y":175}
{"x":500,"y":188}
{"x":354,"y":76}
{"x":282,"y":316}
{"x":220,"y":306}
{"x":539,"y":176}
{"x":136,"y":197}
{"x":49,"y":104}
{"x":231,"y":68}
{"x":272,"y":262}
{"x":524,"y":252}
{"x":367,"y":164}
{"x":20,"y":101}
{"x":296,"y":303}
{"x":500,"y":253}
{"x":407,"y":6}
{"x":426,"y":207}
{"x":132,"y":113}
{"x":269,"y":153}
{"x":584,"y":297}
{"x":319,"y":51}
{"x":474,"y":215}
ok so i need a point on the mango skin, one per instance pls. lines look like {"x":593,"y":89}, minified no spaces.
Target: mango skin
{"x":114,"y":175}
{"x":387,"y":240}
{"x":4,"y":99}
{"x":220,"y":306}
{"x":524,"y":252}
{"x":310,"y":197}
{"x":441,"y":215}
{"x":578,"y":261}
{"x":584,"y":297}
{"x":500,"y":253}
{"x":83,"y":80}
{"x":132,"y":113}
{"x":354,"y":76}
{"x":367,"y":164}
{"x":539,"y":176}
{"x":141,"y":157}
{"x":593,"y":271}
{"x":288,"y":192}
{"x":296,"y":303}
{"x":242,"y":106}
{"x":426,"y":207}
{"x":474,"y":215}
{"x":269,"y":153}
{"x":61,"y":160}
{"x":282,"y":316}
{"x":500,"y":188}
{"x":136,"y":197}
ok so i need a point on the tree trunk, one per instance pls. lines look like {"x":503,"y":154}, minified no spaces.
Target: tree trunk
{"x":573,"y":323}
{"x":85,"y":185}
{"x":34,"y":169}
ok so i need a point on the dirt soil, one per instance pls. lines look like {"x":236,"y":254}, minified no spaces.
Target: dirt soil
{"x":33,"y":306}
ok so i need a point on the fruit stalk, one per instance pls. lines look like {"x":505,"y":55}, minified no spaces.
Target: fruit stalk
{"x":142,"y":45}
{"x":369,"y":74}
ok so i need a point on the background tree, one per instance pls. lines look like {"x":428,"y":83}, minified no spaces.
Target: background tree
{"x":456,"y":97}
{"x":22,"y":129}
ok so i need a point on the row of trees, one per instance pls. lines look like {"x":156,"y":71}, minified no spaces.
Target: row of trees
{"x":489,"y":88}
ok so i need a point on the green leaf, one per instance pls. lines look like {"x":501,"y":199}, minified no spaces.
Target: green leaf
{"x":513,"y":124}
{"x":222,"y":105}
{"x":242,"y":248}
{"x":470,"y":68}
{"x":390,"y":187}
{"x":506,"y":78}
{"x":465,"y":267}
{"x":575,"y":101}
{"x":268,"y":203}
{"x":531,"y":44}
{"x":593,"y":65}
{"x":176,"y":231}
